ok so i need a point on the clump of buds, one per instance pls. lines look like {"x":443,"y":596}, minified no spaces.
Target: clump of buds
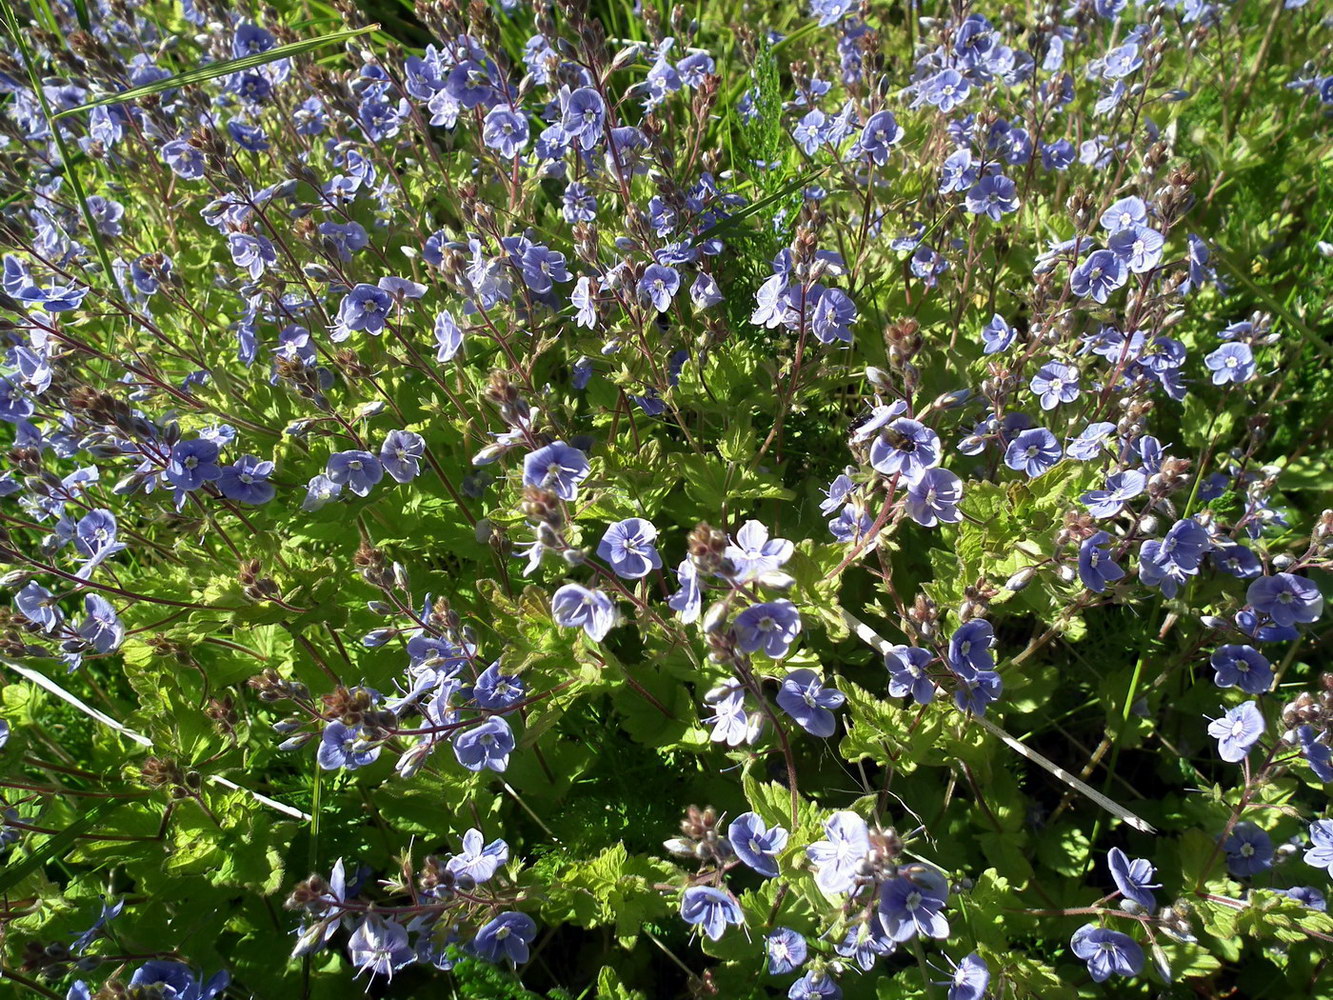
{"x":373,"y":566}
{"x":701,"y":837}
{"x":312,"y":895}
{"x":256,"y":587}
{"x":921,"y":619}
{"x":708,"y":547}
{"x":903,"y":340}
{"x":271,"y":687}
{"x":542,"y":506}
{"x":161,"y":772}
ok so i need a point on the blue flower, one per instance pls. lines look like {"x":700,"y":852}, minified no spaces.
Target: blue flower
{"x":399,"y":454}
{"x":1121,"y":487}
{"x":1100,"y":274}
{"x":907,"y":673}
{"x":910,"y":904}
{"x":343,"y":746}
{"x":193,"y":463}
{"x":899,"y":444}
{"x":1318,"y":754}
{"x":835,"y":495}
{"x":1237,"y":731}
{"x":485,"y":746}
{"x":542,"y":267}
{"x":246,"y":480}
{"x":976,"y":689}
{"x":830,"y":11}
{"x":379,"y":946}
{"x":185,"y":161}
{"x":804,"y":697}
{"x":344,"y":239}
{"x":1034,"y":451}
{"x":866,"y":943}
{"x":1307,"y":895}
{"x":687,"y":602}
{"x":1320,"y":853}
{"x":1232,"y":362}
{"x":1055,"y":383}
{"x":970,"y":979}
{"x":945,"y":90}
{"x":880,"y":134}
{"x":495,"y":690}
{"x":579,"y":204}
{"x":1243,"y":667}
{"x":477,"y":864}
{"x":38,"y":605}
{"x":583,"y":117}
{"x":359,"y":471}
{"x":1107,"y":952}
{"x":1121,"y":61}
{"x":838,"y":857}
{"x":102,"y":628}
{"x":1058,"y":155}
{"x":1138,"y":246}
{"x":754,"y":553}
{"x":574,"y":606}
{"x":556,"y":467}
{"x":786,"y":949}
{"x":1286,"y":598}
{"x":832,"y":315}
{"x":852,"y":524}
{"x":755,"y":844}
{"x":1133,"y":878}
{"x":816,"y":985}
{"x":994,"y":195}
{"x":711,"y":910}
{"x":1096,"y":569}
{"x":772,"y":627}
{"x":970,"y":644}
{"x":177,"y":981}
{"x":505,"y":132}
{"x":628,"y":547}
{"x":704,"y":292}
{"x":365,"y":307}
{"x":997,"y":335}
{"x":809,"y":132}
{"x":319,"y":491}
{"x":1249,"y":850}
{"x":448,"y":337}
{"x":507,"y":937}
{"x":95,"y":538}
{"x":584,"y":300}
{"x":731,"y":724}
{"x":659,"y":285}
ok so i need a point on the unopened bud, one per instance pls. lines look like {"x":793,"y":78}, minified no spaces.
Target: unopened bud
{"x":1020,"y":579}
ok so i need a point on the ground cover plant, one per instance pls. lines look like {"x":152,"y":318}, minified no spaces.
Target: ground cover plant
{"x":601,"y":500}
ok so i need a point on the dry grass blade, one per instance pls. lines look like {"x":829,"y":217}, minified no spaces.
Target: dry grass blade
{"x":868,"y":635}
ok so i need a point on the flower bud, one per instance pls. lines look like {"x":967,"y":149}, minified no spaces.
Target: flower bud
{"x":296,"y":742}
{"x":715,"y":617}
{"x":1021,"y":579}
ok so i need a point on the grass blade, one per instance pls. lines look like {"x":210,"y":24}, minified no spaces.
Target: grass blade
{"x":224,"y":68}
{"x":733,"y":222}
{"x":56,"y":845}
{"x":871,"y":638}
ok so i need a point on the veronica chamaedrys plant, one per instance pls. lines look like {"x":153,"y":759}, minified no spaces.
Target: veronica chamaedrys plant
{"x":891,"y":442}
